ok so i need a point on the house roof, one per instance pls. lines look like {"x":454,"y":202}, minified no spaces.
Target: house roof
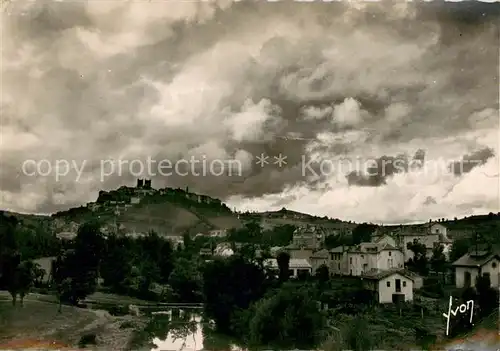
{"x":294,"y":263}
{"x":475,"y":259}
{"x":377,"y":274}
{"x":372,"y":248}
{"x":320,"y":254}
{"x":339,"y":249}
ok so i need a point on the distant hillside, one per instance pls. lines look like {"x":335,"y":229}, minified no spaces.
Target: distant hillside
{"x":176,"y":211}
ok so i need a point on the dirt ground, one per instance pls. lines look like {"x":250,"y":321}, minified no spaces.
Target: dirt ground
{"x":21,"y":327}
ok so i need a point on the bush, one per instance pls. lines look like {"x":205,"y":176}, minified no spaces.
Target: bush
{"x":118,"y":310}
{"x":87,"y":339}
{"x":127,"y":325}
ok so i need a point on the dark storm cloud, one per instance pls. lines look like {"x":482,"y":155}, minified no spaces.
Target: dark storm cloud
{"x":470,"y":161}
{"x":385,"y":167}
{"x":80,"y":85}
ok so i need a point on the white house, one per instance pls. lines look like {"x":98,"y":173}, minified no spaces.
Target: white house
{"x":218,"y":233}
{"x":296,"y":252}
{"x":436,"y":228}
{"x":475,"y":263}
{"x":176,"y":240}
{"x":310,"y":237}
{"x":389,"y":285}
{"x":384,"y":239}
{"x":369,"y":256}
{"x":66,"y":235}
{"x":224,"y":250}
{"x":296,"y":266}
{"x":428,"y":240}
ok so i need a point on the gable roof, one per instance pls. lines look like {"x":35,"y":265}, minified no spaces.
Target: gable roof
{"x":339,"y":249}
{"x":377,"y":274}
{"x":320,"y":254}
{"x":369,"y":248}
{"x":476,"y":259}
{"x":293,"y":263}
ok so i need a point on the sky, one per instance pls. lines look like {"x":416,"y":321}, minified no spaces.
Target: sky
{"x":382,"y":112}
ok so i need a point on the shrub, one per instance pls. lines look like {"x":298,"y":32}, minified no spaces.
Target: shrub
{"x":87,"y":339}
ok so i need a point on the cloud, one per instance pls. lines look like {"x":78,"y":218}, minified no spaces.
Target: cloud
{"x":329,"y":82}
{"x":468,"y":162}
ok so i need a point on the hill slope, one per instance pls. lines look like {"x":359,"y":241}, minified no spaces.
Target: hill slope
{"x":176,"y":211}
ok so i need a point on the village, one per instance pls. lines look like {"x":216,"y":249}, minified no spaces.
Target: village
{"x":381,"y":263}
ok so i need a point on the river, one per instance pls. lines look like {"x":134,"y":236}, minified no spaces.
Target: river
{"x":186,"y":330}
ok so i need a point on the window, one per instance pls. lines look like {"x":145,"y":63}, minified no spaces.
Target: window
{"x":350,"y":260}
{"x":398,"y":285}
{"x":494,"y":265}
{"x":404,"y":284}
{"x":388,"y":284}
{"x":390,"y":253}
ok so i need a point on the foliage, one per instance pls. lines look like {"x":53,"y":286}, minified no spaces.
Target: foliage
{"x":433,"y":287}
{"x":438,"y":259}
{"x":186,"y":281}
{"x":283,"y":260}
{"x":419,"y":261}
{"x":87,"y":339}
{"x":228,"y":285}
{"x":487,"y":296}
{"x":322,"y":273}
{"x":357,"y":336}
{"x":459,"y":248}
{"x":289,"y":318}
{"x":362,"y":233}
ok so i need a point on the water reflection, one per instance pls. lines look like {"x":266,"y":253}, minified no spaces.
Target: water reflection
{"x":185,"y":330}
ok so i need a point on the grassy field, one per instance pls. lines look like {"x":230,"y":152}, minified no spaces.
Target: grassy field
{"x":39,"y":320}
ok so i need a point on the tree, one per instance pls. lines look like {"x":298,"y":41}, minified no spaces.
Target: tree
{"x":419,"y":261}
{"x":25,"y":273}
{"x":283,"y":260}
{"x":487,"y":296}
{"x":20,"y":280}
{"x":73,"y":279}
{"x":289,"y":318}
{"x":231,"y":285}
{"x":363,"y":233}
{"x":357,"y":336}
{"x":117,"y":264}
{"x":438,"y":259}
{"x":322,"y":273}
{"x":186,"y":281}
{"x":459,"y":248}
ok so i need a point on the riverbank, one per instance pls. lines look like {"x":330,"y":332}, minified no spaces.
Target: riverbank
{"x":38,"y":320}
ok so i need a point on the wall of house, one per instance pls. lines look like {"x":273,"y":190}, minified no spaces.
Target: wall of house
{"x":434,"y":238}
{"x":385,"y":292}
{"x":356,"y":262}
{"x":338,"y":263}
{"x":439,"y":229}
{"x":301,"y":254}
{"x":493,"y":268}
{"x":460,"y":275}
{"x":317,"y":262}
{"x":389,"y":259}
{"x":295,"y":271}
{"x":363,"y":262}
{"x":387,"y":240}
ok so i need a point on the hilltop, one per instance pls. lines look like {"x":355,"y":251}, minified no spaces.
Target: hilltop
{"x":168,"y":211}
